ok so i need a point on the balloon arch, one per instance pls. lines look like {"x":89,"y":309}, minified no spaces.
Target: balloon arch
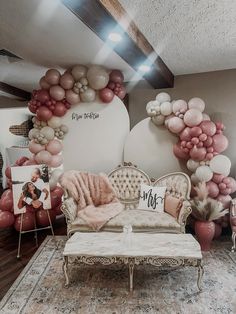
{"x":201,"y":143}
{"x":50,"y":103}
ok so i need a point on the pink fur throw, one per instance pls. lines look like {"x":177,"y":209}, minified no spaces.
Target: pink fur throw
{"x":96,"y":199}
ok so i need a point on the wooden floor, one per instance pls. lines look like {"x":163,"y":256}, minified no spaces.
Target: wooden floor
{"x":10,"y":266}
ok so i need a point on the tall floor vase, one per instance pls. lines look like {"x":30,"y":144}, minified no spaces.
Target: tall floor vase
{"x":205,"y":231}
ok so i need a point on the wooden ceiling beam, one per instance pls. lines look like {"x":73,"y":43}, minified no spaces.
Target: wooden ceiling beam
{"x":14,"y":91}
{"x":105,"y":16}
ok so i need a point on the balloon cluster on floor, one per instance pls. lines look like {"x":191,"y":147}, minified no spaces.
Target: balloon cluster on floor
{"x":7,"y":217}
{"x":201,"y":143}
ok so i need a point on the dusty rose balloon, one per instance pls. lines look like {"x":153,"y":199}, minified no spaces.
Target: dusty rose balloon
{"x":43,"y":157}
{"x":72,"y":97}
{"x":43,"y":83}
{"x":52,"y":77}
{"x":106,"y":95}
{"x":35,"y":148}
{"x":198,"y":154}
{"x":225,"y":200}
{"x":220,"y":143}
{"x":60,"y":109}
{"x":54,"y":147}
{"x":231,"y":184}
{"x":203,"y":137}
{"x":57,"y":92}
{"x":196,"y":131}
{"x":176,"y":125}
{"x":6,"y":219}
{"x":42,"y":95}
{"x":116,"y":76}
{"x":121,"y":94}
{"x":208,"y":127}
{"x":192,"y":117}
{"x":179,"y":153}
{"x":185,"y":134}
{"x":208,"y":142}
{"x":180,"y":106}
{"x":209,"y":156}
{"x":67,"y":81}
{"x":8,"y":172}
{"x":43,"y":113}
{"x":79,"y":71}
{"x":29,"y":162}
{"x":58,"y":191}
{"x":226,"y":191}
{"x":27,"y":222}
{"x":217,"y":178}
{"x":42,"y":217}
{"x":196,"y":103}
{"x":213,"y":189}
{"x":222,"y":186}
{"x":56,"y":161}
{"x":6,"y":203}
{"x":7,"y":193}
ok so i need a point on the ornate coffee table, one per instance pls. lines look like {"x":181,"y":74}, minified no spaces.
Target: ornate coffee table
{"x":108,"y":248}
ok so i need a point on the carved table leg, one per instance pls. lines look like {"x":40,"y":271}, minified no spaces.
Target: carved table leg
{"x":131,"y":275}
{"x":200,"y":274}
{"x":65,"y":269}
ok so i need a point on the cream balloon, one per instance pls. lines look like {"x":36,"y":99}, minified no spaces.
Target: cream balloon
{"x":192,"y":165}
{"x":88,"y":96}
{"x":33,"y":133}
{"x":204,"y":173}
{"x":158,"y":120}
{"x":48,"y":132}
{"x":163,"y":97}
{"x":79,"y":71}
{"x":54,"y":122}
{"x":220,"y":164}
{"x":98,"y":77}
{"x":166,"y":108}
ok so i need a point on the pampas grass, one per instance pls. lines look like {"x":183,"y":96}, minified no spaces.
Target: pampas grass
{"x":205,"y":208}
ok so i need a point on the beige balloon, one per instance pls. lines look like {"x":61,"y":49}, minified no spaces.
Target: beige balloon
{"x":54,"y":122}
{"x":98,"y":77}
{"x":88,"y":96}
{"x":48,"y":132}
{"x":79,"y":71}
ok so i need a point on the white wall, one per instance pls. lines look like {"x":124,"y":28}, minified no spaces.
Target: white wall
{"x":218,"y":89}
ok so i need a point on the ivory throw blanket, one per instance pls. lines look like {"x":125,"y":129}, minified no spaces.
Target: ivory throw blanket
{"x":96,"y":199}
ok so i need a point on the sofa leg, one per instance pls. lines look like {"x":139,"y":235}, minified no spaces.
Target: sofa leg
{"x":234,"y":242}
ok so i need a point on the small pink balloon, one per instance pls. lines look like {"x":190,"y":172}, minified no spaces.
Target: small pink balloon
{"x":179,"y":152}
{"x":67,"y":81}
{"x":54,"y":147}
{"x":43,"y":113}
{"x":185,"y":134}
{"x":43,"y":157}
{"x":56,"y":161}
{"x":121,"y":94}
{"x":203,"y":137}
{"x":43,"y":83}
{"x":116,"y":76}
{"x":195,"y":140}
{"x":52,"y":77}
{"x":225,"y":200}
{"x":42,"y":95}
{"x":196,"y":131}
{"x":186,"y":150}
{"x":176,"y":125}
{"x":232,"y":184}
{"x":183,"y":143}
{"x":217,"y":178}
{"x":72,"y":97}
{"x":220,"y":126}
{"x":198,"y":154}
{"x":189,"y":145}
{"x":222,"y":186}
{"x":209,"y":156}
{"x":213,"y":189}
{"x":180,"y":106}
{"x":192,"y":117}
{"x":208,"y":127}
{"x":57,"y":92}
{"x":208,"y":142}
{"x":220,"y":143}
{"x":200,"y":144}
{"x":226,"y":180}
{"x":59,"y":109}
{"x":210,"y":149}
{"x":226,"y":191}
{"x":106,"y":95}
{"x":34,"y":148}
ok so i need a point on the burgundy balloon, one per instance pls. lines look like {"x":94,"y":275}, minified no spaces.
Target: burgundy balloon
{"x":42,"y":95}
{"x":43,"y":113}
{"x":32,"y":107}
{"x":55,"y":199}
{"x":6,"y":203}
{"x":7,"y":193}
{"x":58,"y":191}
{"x":8,"y":172}
{"x":27,"y":222}
{"x":106,"y":95}
{"x":121,"y":94}
{"x":116,"y":76}
{"x":60,"y":109}
{"x":42,"y":217}
{"x":57,"y":210}
{"x":6,"y":219}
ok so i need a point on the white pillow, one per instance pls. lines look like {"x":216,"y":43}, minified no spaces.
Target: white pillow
{"x":152,"y":198}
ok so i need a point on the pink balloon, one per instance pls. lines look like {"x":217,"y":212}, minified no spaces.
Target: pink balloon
{"x":203,"y":137}
{"x":54,"y":147}
{"x":8,"y":172}
{"x":67,"y":81}
{"x":43,"y":157}
{"x":225,"y":200}
{"x":43,"y":83}
{"x":72,"y":97}
{"x":29,"y":162}
{"x":226,"y":191}
{"x":176,"y":125}
{"x":122,"y":92}
{"x":57,"y":92}
{"x":209,"y":156}
{"x":198,"y":154}
{"x":56,"y":161}
{"x":222,"y":186}
{"x":185,"y":134}
{"x":195,"y":131}
{"x":220,"y":143}
{"x":34,"y":148}
{"x":59,"y":109}
{"x":6,"y":219}
{"x":213,"y":189}
{"x":208,"y":142}
{"x":220,"y":126}
{"x":217,"y":178}
{"x":195,"y":140}
{"x":180,"y":153}
{"x":231,"y":184}
{"x":116,"y":76}
{"x":106,"y":95}
{"x":192,"y":117}
{"x":43,"y":113}
{"x":7,"y":193}
{"x":180,"y":106}
{"x":42,"y":95}
{"x":210,"y":150}
{"x":208,"y":127}
{"x":200,"y":144}
{"x":20,"y":161}
{"x":52,"y":77}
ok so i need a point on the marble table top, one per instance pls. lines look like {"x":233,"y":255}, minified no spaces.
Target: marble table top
{"x":133,"y":245}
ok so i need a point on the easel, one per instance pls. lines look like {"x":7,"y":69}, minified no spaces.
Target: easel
{"x":35,"y":230}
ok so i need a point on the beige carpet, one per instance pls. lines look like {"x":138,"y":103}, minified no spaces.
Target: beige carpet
{"x":102,"y":290}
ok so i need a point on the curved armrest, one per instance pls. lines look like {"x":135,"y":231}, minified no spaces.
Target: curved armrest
{"x":69,"y":209}
{"x":184,"y":213}
{"x":232,"y":208}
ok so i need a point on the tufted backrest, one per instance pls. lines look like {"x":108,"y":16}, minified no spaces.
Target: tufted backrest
{"x":178,"y":184}
{"x":126,"y":181}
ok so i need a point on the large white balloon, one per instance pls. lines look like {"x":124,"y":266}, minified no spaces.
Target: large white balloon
{"x":204,"y":173}
{"x":192,"y":165}
{"x":196,"y":103}
{"x":162,"y":97}
{"x":220,"y":164}
{"x":166,"y":108}
{"x":153,"y":108}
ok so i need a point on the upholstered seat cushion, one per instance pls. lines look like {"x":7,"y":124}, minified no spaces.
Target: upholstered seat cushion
{"x":141,"y":221}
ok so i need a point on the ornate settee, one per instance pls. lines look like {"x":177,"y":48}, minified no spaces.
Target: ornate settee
{"x":126,"y":180}
{"x":233,"y":223}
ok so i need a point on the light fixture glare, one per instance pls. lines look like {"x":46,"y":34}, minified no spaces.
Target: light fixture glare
{"x":144,"y":68}
{"x":115,"y":37}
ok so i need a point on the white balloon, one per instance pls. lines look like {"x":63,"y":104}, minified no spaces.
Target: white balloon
{"x":158,"y":120}
{"x":192,"y":165}
{"x":162,"y":97}
{"x":196,"y":103}
{"x":54,"y":122}
{"x":220,"y":164}
{"x":205,"y":117}
{"x":166,"y":108}
{"x":32,"y":133}
{"x":194,"y":179}
{"x":204,"y":173}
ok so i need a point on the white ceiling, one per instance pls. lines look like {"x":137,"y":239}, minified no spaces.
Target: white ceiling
{"x":46,"y":34}
{"x":191,"y":36}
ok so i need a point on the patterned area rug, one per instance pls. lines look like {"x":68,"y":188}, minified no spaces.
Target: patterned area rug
{"x":40,"y":287}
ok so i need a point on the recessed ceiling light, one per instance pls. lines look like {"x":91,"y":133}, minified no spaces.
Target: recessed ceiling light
{"x":115,"y":37}
{"x":144,"y":68}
